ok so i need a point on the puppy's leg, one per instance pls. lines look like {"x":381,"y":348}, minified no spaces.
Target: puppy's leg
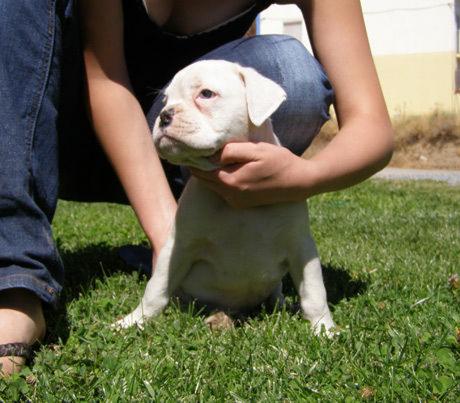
{"x":308,"y":279}
{"x":168,"y":274}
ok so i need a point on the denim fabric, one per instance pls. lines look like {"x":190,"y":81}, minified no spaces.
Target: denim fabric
{"x":31,"y":42}
{"x":29,"y":91}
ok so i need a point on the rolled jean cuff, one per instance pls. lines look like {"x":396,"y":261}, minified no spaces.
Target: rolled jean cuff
{"x":47,"y":290}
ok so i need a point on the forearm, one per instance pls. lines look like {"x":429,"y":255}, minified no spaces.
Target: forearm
{"x":124,"y":134}
{"x":365,"y":140}
{"x":119,"y":121}
{"x":362,"y":147}
{"x":254,"y":174}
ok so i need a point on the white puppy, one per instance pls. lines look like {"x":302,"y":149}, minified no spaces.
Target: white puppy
{"x":224,"y":257}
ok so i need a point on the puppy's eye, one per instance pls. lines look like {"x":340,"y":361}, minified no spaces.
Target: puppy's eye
{"x":206,"y":94}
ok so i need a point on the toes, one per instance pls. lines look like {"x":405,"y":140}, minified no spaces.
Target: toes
{"x":325,"y":327}
{"x":10,"y":365}
{"x":126,"y":322}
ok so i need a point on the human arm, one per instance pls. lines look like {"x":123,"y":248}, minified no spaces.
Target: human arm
{"x":260,"y":173}
{"x":119,"y":122}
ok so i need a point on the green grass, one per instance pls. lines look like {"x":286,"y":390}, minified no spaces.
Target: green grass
{"x":388,"y":250}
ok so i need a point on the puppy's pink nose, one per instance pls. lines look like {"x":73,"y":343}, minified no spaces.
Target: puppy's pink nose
{"x":166,"y":117}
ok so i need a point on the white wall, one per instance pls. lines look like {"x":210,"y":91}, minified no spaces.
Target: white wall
{"x":273,"y":18}
{"x":410,"y":26}
{"x":393,"y":26}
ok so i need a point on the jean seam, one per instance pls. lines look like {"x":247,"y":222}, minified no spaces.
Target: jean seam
{"x":316,"y":65}
{"x":43,"y":284}
{"x":39,"y":93}
{"x":42,"y":289}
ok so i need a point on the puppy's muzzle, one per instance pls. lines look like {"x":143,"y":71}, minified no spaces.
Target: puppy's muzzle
{"x":166,"y":117}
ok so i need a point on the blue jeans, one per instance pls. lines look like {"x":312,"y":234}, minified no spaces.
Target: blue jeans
{"x":30,"y":55}
{"x":31,"y":61}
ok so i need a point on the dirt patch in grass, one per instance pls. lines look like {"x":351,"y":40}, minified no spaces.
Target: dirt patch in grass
{"x":425,"y":142}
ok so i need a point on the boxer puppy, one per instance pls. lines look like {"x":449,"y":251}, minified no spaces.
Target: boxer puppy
{"x":232,"y":259}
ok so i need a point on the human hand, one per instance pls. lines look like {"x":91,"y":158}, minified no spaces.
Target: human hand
{"x":254,"y":174}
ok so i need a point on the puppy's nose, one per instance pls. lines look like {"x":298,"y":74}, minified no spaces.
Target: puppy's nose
{"x":166,"y":117}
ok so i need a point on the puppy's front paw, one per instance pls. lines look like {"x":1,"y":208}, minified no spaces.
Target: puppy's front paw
{"x":324,"y":325}
{"x":129,"y":320}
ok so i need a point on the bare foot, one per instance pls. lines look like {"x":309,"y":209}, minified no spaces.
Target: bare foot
{"x":21,"y":321}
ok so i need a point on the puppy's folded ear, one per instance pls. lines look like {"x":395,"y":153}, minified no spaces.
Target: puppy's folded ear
{"x":263,"y":95}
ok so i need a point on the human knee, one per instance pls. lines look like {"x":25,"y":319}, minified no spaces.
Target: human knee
{"x":309,"y":93}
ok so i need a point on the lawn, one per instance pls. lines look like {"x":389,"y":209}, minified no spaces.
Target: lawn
{"x":388,"y":251}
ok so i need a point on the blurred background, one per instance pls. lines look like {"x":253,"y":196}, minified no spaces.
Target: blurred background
{"x":416,"y":49}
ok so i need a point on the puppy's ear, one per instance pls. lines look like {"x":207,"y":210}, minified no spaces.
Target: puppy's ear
{"x":263,"y":95}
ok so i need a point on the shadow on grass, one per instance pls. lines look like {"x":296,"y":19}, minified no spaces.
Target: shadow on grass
{"x":84,"y":266}
{"x":340,"y":285}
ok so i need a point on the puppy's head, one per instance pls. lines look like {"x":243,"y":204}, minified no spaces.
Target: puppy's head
{"x":211,"y":103}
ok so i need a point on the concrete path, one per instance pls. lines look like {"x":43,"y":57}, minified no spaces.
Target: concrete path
{"x":451,"y":177}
